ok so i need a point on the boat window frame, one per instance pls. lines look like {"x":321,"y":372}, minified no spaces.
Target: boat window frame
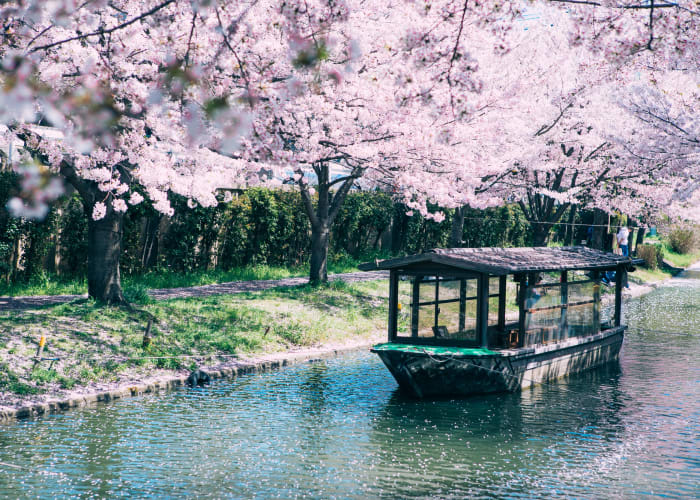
{"x":483,"y":284}
{"x":452,"y":274}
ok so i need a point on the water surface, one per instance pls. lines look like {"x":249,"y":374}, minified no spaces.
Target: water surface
{"x":341,"y":429}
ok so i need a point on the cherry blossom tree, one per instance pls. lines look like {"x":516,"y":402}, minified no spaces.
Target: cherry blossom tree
{"x":585,"y":131}
{"x":666,"y":114}
{"x":627,"y":148}
{"x":151,"y":97}
{"x":188,"y":96}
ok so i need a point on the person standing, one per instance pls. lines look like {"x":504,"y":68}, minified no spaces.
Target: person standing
{"x":623,"y":240}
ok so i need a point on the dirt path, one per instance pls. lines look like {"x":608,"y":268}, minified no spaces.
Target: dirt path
{"x":232,"y":287}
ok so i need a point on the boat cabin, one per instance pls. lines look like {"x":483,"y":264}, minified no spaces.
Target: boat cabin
{"x":502,"y":298}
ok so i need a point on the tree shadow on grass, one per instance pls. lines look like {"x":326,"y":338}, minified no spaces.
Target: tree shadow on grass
{"x":331,"y":297}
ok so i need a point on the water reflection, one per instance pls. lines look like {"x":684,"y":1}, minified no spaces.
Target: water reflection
{"x":341,"y":429}
{"x":500,"y":443}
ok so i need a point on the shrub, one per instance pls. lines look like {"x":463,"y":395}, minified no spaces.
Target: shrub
{"x":653,"y":255}
{"x":73,"y":227}
{"x":682,"y":239}
{"x":504,"y":226}
{"x":362,"y":219}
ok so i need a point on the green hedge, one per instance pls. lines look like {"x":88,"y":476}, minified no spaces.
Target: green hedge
{"x":257,"y":227}
{"x":496,"y":227}
{"x":653,"y":255}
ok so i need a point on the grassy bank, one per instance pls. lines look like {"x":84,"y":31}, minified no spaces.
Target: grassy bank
{"x":105,"y":344}
{"x":675,"y":260}
{"x":51,"y":284}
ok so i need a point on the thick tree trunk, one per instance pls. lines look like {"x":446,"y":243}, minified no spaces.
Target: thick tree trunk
{"x":570,"y":228}
{"x":540,"y":234}
{"x":104,"y":249}
{"x":600,"y":218}
{"x":104,"y":235}
{"x":323,"y":214}
{"x":319,"y":254}
{"x":640,"y":237}
{"x":457,"y":230}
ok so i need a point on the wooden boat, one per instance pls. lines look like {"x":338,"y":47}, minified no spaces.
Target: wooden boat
{"x":483,"y":320}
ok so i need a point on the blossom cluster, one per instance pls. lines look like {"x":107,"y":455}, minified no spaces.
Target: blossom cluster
{"x":443,"y":102}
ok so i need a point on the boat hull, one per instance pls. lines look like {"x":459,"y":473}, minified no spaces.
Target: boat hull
{"x":423,"y":372}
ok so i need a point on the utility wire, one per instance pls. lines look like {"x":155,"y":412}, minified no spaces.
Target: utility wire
{"x":563,"y":223}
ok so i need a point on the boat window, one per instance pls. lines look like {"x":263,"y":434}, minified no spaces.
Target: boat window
{"x":558,"y":311}
{"x":437,"y":307}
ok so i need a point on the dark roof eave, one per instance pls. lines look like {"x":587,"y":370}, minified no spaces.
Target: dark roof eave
{"x":460,"y":264}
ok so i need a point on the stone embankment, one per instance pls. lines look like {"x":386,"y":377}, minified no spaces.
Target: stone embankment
{"x":240,"y":366}
{"x":102,"y":393}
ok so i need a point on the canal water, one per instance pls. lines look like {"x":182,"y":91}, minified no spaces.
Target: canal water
{"x":340,"y":429}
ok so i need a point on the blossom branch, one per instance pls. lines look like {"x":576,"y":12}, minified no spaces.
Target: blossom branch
{"x":103,"y":31}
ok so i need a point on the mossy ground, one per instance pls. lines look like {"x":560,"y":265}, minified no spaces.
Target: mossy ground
{"x":94,"y":342}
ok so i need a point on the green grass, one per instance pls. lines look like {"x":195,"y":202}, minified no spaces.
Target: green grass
{"x":675,"y":259}
{"x":10,"y":382}
{"x":678,"y":259}
{"x":135,"y":286}
{"x":46,"y":284}
{"x":643,"y":275}
{"x":96,"y":343}
{"x":165,"y":278}
{"x":51,"y":284}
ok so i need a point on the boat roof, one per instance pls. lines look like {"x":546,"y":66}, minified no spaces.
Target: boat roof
{"x":502,"y":261}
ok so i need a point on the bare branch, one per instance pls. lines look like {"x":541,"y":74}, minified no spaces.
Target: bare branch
{"x":106,"y":31}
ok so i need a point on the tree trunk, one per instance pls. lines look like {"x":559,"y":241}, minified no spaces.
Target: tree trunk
{"x":457,"y":231}
{"x":600,"y":218}
{"x":319,"y":254}
{"x":104,"y":235}
{"x":571,"y":229}
{"x":640,"y":238}
{"x":323,"y":214}
{"x":104,"y":249}
{"x":540,"y":234}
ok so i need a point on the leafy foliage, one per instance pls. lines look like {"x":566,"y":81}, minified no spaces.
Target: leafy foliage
{"x":682,"y":239}
{"x":361,"y":222}
{"x":255,"y":234}
{"x":653,"y":255}
{"x":496,"y":227}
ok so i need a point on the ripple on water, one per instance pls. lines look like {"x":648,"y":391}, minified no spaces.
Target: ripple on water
{"x":340,"y":429}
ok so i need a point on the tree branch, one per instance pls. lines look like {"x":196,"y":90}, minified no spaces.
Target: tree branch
{"x":308,"y":203}
{"x":106,"y":31}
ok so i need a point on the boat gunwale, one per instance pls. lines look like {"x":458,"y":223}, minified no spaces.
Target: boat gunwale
{"x":414,"y":349}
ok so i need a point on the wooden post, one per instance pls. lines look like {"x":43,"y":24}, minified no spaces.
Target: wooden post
{"x":393,"y":303}
{"x":482,"y":313}
{"x":462,"y":304}
{"x":502,"y":303}
{"x":147,"y":335}
{"x":414,"y":305}
{"x":596,"y":300}
{"x":437,"y":298}
{"x":563,"y":321}
{"x":522,"y":297}
{"x":619,"y":275}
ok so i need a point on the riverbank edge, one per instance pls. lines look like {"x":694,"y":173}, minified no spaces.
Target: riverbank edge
{"x":229,"y":370}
